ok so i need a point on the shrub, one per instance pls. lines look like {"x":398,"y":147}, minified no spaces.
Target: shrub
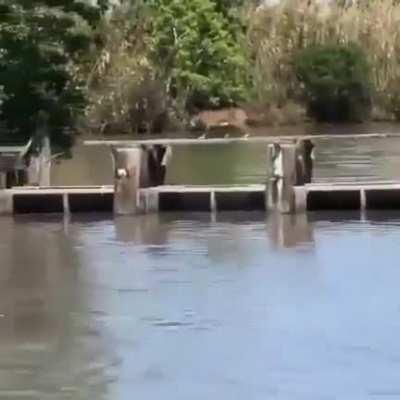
{"x":335,"y":82}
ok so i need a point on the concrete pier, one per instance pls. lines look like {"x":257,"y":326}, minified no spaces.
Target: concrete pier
{"x":29,"y":200}
{"x":139,"y":173}
{"x":154,"y":199}
{"x":127,"y":171}
{"x":203,"y":198}
{"x":353,"y":196}
{"x":311,"y":197}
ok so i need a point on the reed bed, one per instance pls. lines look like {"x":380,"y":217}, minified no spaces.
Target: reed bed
{"x":277,"y":33}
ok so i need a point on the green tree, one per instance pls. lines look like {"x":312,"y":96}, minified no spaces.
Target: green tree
{"x":198,"y":54}
{"x":42,"y":45}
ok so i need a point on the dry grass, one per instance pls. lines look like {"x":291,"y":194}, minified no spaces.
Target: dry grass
{"x":269,"y":114}
{"x":277,"y":33}
{"x":124,"y":94}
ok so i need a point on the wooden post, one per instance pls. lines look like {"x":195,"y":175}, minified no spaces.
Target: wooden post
{"x":127,"y":163}
{"x":154,"y":162}
{"x":145,"y":180}
{"x":281,"y":177}
{"x":272,"y":176}
{"x":33,"y":171}
{"x":158,"y":160}
{"x":304,"y":161}
{"x":45,"y":162}
{"x":288,"y":181}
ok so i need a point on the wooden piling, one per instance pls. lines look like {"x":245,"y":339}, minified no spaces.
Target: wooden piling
{"x":272,"y":176}
{"x":288,"y":180}
{"x":282,"y":177}
{"x":127,"y":165}
{"x":304,"y":161}
{"x":45,"y":163}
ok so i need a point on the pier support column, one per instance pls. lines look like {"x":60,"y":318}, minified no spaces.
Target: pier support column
{"x":127,"y":163}
{"x":289,"y":177}
{"x":304,"y":161}
{"x":290,"y":166}
{"x":45,"y":163}
{"x":272,"y":178}
{"x":282,"y":177}
{"x":155,"y":160}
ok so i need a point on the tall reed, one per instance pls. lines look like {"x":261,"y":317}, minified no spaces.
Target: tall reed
{"x":276,"y":33}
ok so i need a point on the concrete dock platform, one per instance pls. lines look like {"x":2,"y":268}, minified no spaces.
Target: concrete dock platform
{"x":348,"y":196}
{"x":203,"y":198}
{"x":310,"y":197}
{"x":27,"y":200}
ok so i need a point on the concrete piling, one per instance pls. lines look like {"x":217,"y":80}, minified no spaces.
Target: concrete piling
{"x":288,"y":180}
{"x":282,"y":177}
{"x":127,"y":171}
{"x":289,"y":166}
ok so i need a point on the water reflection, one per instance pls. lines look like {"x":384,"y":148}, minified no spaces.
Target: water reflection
{"x":187,"y":306}
{"x":50,"y":347}
{"x":384,"y":217}
{"x":176,"y":306}
{"x":336,"y":217}
{"x":283,"y":230}
{"x":287,"y":231}
{"x":145,"y":229}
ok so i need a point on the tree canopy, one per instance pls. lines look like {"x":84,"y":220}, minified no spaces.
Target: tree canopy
{"x":41,"y":43}
{"x":198,"y":52}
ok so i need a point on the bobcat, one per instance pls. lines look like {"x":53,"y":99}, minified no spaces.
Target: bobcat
{"x":227,"y":117}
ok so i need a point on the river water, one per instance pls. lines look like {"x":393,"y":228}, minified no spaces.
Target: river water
{"x":195,"y":306}
{"x":367,"y":159}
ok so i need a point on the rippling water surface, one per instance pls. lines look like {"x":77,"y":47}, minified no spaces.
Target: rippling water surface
{"x":194,"y":306}
{"x":189,"y":306}
{"x":336,"y":159}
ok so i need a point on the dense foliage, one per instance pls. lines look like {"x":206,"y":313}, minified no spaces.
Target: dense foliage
{"x":162,"y":59}
{"x":41,"y":43}
{"x":198,"y":52}
{"x":336,"y":82}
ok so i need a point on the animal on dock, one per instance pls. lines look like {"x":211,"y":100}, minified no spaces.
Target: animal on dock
{"x":216,"y":119}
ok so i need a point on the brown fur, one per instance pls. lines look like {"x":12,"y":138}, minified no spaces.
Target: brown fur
{"x":227,"y":117}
